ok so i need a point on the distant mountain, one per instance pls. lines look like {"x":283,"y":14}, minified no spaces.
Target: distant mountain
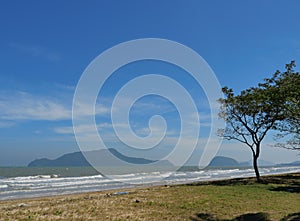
{"x":98,"y":158}
{"x":295,"y":163}
{"x":220,"y":161}
{"x":70,"y":159}
{"x":262,"y":163}
{"x":246,"y":164}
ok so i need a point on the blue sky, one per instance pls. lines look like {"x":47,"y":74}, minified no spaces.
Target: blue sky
{"x":46,"y":45}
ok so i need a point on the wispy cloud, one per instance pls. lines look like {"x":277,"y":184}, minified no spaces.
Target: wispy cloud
{"x":138,"y":133}
{"x":83,"y":110}
{"x":90,"y":140}
{"x":107,"y":133}
{"x":19,"y":105}
{"x":36,"y":51}
{"x":86,"y":129}
{"x":25,"y":106}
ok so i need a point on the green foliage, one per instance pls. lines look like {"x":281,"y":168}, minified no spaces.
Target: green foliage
{"x":234,"y":199}
{"x":286,"y":85}
{"x":272,"y":105}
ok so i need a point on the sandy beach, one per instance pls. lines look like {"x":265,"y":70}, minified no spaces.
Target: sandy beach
{"x":234,"y":199}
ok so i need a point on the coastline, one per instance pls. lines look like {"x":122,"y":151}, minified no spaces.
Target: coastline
{"x":178,"y":201}
{"x":231,"y":180}
{"x":45,"y":184}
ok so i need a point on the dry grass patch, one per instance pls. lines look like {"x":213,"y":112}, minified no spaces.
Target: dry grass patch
{"x":222,"y":200}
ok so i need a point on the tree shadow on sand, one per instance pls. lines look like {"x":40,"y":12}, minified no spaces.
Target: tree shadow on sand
{"x":290,"y":189}
{"x":288,"y":183}
{"x":244,"y":217}
{"x":288,"y":180}
{"x":292,"y":217}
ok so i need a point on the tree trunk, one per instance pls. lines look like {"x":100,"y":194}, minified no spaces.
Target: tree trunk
{"x":255,"y":158}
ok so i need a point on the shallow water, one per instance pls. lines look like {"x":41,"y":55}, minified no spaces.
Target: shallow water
{"x":34,"y":182}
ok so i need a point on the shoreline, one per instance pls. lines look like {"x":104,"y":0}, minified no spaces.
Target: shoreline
{"x":225,"y":199}
{"x":36,"y":186}
{"x":150,"y":185}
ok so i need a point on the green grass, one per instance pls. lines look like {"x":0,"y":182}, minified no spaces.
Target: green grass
{"x":236,"y":199}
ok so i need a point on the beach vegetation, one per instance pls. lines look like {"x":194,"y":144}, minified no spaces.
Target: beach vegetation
{"x":254,"y":112}
{"x":234,"y":199}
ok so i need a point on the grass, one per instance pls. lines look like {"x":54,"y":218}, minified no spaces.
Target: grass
{"x":236,"y":199}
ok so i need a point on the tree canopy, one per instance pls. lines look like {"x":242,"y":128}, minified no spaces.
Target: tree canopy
{"x":272,"y":105}
{"x":287,"y":86}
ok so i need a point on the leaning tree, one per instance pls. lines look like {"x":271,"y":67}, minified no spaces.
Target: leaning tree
{"x":251,"y":114}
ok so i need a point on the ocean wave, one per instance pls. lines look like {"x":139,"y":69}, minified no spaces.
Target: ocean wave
{"x":42,"y":185}
{"x":35,"y":177}
{"x":3,"y":186}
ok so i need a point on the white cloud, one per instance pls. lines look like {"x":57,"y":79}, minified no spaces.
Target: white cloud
{"x":88,"y":135}
{"x":83,"y":110}
{"x":105,"y":130}
{"x":15,"y":106}
{"x":85,"y":129}
{"x":64,"y":130}
{"x":24,"y":106}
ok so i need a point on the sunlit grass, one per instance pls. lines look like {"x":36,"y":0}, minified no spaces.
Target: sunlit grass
{"x":220,"y":200}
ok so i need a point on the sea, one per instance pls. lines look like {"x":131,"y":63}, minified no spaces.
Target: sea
{"x":30,"y":182}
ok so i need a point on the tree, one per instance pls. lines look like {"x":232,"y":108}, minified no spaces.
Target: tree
{"x":250,"y":116}
{"x":287,"y":85}
{"x":272,"y":105}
